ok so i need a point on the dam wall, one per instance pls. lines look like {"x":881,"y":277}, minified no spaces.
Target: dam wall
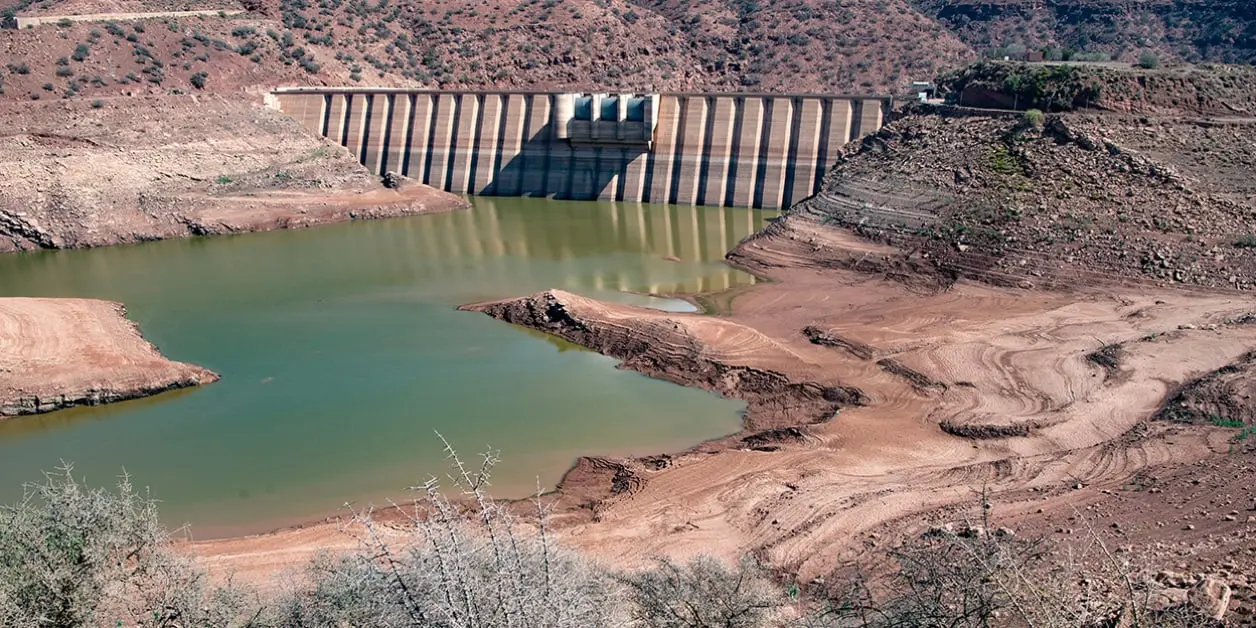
{"x":741,"y":150}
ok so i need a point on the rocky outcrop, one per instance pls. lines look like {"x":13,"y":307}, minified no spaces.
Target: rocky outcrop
{"x":1083,"y":200}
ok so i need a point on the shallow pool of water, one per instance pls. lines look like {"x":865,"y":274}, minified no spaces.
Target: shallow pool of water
{"x":341,"y":353}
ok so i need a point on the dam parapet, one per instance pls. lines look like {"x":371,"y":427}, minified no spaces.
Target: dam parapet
{"x":738,"y":150}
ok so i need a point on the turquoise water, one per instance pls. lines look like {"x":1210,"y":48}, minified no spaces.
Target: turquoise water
{"x":341,"y":354}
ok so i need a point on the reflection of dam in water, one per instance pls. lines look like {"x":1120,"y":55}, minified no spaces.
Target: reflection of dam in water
{"x":342,"y":350}
{"x":657,"y":237}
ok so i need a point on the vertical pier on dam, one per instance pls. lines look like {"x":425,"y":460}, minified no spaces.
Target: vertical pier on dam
{"x":738,"y":150}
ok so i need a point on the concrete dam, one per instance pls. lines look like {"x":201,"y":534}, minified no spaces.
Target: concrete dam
{"x":737,"y":150}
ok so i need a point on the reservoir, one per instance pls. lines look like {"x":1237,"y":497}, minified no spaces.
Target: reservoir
{"x":342,"y":354}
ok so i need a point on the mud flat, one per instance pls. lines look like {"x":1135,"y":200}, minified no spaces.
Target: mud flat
{"x":58,"y":353}
{"x":882,"y":397}
{"x":956,"y":385}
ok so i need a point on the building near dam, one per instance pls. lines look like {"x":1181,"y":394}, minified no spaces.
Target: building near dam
{"x":739,"y":150}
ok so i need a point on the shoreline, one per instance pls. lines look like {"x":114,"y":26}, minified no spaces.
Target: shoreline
{"x":269,"y":211}
{"x":917,"y":365}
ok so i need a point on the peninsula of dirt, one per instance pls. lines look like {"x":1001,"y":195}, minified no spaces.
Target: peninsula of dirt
{"x":161,"y":167}
{"x":58,"y":353}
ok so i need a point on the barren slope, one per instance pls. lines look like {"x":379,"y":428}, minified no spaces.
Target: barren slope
{"x":1084,"y":199}
{"x":152,"y":168}
{"x":970,"y":386}
{"x":1192,"y":30}
{"x":796,"y":46}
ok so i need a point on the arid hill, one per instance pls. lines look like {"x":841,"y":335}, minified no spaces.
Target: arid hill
{"x":1078,"y":200}
{"x":805,"y":45}
{"x":137,"y":169}
{"x":1188,"y":30}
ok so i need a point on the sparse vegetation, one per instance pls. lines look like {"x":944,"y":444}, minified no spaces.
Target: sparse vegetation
{"x":73,"y":556}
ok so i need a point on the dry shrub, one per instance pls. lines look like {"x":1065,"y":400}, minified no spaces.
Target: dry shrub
{"x":458,"y":569}
{"x":73,"y":556}
{"x":702,"y":593}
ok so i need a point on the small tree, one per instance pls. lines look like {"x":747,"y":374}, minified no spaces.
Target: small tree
{"x":1148,"y":60}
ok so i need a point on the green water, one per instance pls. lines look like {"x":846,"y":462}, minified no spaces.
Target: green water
{"x":341,"y":352}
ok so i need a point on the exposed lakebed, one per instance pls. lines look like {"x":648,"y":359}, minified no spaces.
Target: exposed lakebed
{"x":341,"y":353}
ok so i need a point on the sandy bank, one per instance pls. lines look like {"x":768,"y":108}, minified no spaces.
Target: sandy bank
{"x":57,"y":353}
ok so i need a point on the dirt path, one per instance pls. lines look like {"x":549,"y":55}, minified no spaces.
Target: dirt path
{"x":57,"y":353}
{"x":874,"y":403}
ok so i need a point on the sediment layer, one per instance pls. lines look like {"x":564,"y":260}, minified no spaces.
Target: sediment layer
{"x":83,"y":177}
{"x":59,"y":353}
{"x":692,"y":350}
{"x":958,"y":385}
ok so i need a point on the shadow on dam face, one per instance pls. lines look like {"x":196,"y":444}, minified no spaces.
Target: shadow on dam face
{"x":738,"y":150}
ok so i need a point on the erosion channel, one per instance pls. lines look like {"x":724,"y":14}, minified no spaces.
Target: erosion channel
{"x":341,"y":352}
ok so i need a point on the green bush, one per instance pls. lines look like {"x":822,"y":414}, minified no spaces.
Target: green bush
{"x":81,"y":52}
{"x":1246,"y":242}
{"x":1033,"y":118}
{"x":198,"y":80}
{"x":1148,"y":60}
{"x":72,"y":556}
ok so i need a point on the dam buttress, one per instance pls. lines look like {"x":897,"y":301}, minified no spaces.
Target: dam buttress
{"x":737,"y":150}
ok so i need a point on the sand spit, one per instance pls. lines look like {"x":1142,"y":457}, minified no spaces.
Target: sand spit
{"x":58,"y":353}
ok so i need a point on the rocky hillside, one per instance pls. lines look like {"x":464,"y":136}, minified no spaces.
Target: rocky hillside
{"x":1190,"y":30}
{"x":1211,"y":90}
{"x":794,"y":45}
{"x":1075,"y":200}
{"x":138,"y":169}
{"x":802,"y":45}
